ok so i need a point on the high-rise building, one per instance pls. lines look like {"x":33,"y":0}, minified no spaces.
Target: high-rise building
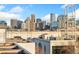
{"x":66,"y":25}
{"x":54,"y":26}
{"x":38,"y":20}
{"x":52,"y":19}
{"x":16,"y":24}
{"x":42,"y":25}
{"x":32,"y":23}
{"x":27,"y":24}
{"x":19,"y":23}
{"x":65,"y":22}
{"x":37,"y":23}
{"x":23,"y":26}
{"x":61,"y":21}
{"x":13,"y":23}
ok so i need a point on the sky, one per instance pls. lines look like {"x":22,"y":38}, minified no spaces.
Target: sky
{"x":22,"y":11}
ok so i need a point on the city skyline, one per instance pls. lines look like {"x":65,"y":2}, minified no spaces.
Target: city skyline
{"x":35,"y":36}
{"x":22,"y":11}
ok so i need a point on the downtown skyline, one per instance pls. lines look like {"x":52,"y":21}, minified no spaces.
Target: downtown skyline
{"x":22,"y":11}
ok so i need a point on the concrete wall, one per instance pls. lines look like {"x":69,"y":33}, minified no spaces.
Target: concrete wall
{"x":43,"y":43}
{"x":25,"y":34}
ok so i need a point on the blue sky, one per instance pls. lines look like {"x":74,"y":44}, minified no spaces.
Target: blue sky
{"x":39,"y":10}
{"x":22,"y":11}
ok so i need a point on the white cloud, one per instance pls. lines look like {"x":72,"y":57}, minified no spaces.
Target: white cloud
{"x":2,"y":7}
{"x":6,"y":15}
{"x":77,"y":14}
{"x":46,"y":18}
{"x":16,"y":9}
{"x":13,"y":13}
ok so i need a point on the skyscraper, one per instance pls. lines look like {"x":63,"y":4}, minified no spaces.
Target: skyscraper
{"x":61,"y":21}
{"x":29,"y":23}
{"x":37,"y":23}
{"x":19,"y":23}
{"x":16,"y":24}
{"x":32,"y":23}
{"x":52,"y":19}
{"x":13,"y":23}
